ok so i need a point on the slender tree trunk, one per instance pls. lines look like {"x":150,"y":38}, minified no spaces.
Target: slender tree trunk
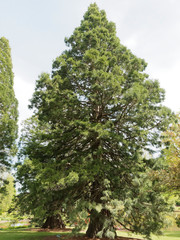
{"x":54,"y":222}
{"x":100,"y":222}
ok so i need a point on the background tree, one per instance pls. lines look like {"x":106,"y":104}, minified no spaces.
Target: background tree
{"x":8,"y":112}
{"x":172,"y":155}
{"x":8,"y":105}
{"x":97,"y":115}
{"x":7,"y":196}
{"x":170,"y":175}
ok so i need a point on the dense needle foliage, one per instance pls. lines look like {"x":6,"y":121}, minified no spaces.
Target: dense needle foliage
{"x":95,"y":120}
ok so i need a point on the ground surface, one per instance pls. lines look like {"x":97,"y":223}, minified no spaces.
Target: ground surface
{"x":85,"y":238}
{"x":64,"y":237}
{"x":55,"y":234}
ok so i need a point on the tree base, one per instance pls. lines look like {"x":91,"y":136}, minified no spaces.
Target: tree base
{"x":54,"y":222}
{"x":101,"y":225}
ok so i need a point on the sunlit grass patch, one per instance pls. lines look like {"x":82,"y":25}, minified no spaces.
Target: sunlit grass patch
{"x":167,"y":235}
{"x":25,"y":235}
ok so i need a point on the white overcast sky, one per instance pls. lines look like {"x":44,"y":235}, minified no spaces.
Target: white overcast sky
{"x":36,"y":30}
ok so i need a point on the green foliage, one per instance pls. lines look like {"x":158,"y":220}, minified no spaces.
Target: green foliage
{"x":178,"y":202}
{"x":7,"y":196}
{"x":37,"y":198}
{"x":8,"y":105}
{"x":171,"y":153}
{"x":8,"y":120}
{"x":93,"y":120}
{"x":178,"y":221}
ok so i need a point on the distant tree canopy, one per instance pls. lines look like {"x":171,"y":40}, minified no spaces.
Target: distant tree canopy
{"x":8,"y":106}
{"x":94,"y":119}
{"x":171,"y":177}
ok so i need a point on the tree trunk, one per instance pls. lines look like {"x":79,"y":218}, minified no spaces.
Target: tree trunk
{"x":101,"y":224}
{"x":54,"y":222}
{"x":95,"y":225}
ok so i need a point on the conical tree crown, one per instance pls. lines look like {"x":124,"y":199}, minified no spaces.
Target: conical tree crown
{"x":108,"y":79}
{"x":94,"y":32}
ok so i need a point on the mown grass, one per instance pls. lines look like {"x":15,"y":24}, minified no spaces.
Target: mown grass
{"x":168,"y":235}
{"x":20,"y":234}
{"x":25,"y":235}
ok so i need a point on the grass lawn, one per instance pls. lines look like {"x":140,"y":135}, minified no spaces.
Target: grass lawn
{"x":20,"y":234}
{"x":25,"y":235}
{"x":168,"y":235}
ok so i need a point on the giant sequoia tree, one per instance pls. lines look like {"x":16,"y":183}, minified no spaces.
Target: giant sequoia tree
{"x":8,"y":105}
{"x":96,"y":116}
